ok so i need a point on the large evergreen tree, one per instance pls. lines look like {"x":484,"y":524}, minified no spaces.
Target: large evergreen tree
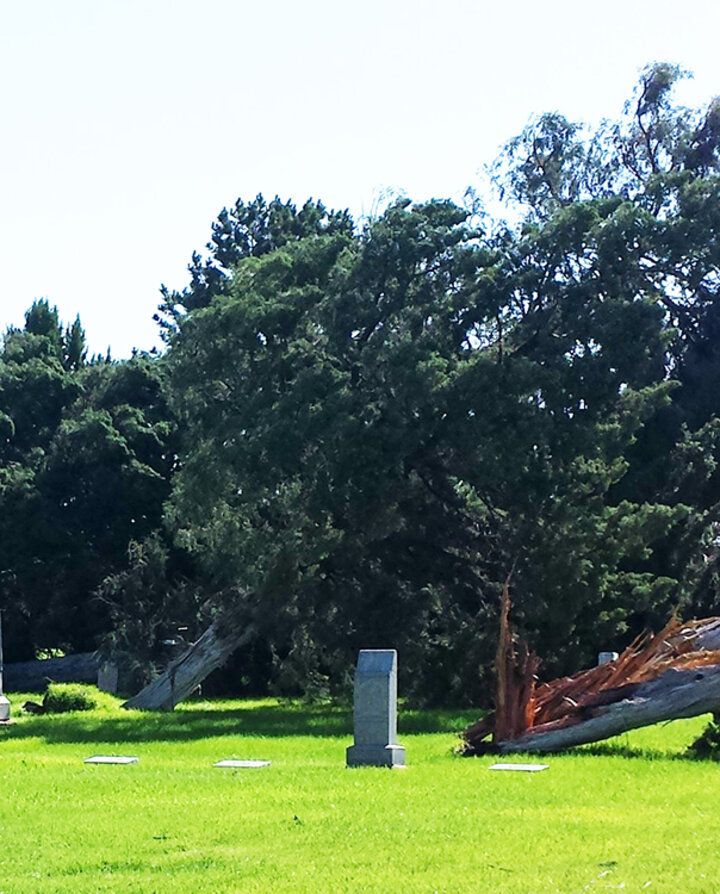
{"x":85,"y":464}
{"x":384,"y":427}
{"x":381,"y":426}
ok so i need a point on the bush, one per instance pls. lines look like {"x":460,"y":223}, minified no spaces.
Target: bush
{"x":62,"y":697}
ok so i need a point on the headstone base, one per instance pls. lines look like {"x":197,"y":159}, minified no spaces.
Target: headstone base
{"x":376,"y":756}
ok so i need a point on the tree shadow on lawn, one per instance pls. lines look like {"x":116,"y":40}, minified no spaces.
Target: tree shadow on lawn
{"x":181,"y":725}
{"x":194,"y":723}
{"x":610,"y":749}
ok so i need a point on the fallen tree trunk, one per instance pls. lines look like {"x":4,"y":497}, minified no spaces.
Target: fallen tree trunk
{"x":675,"y":694}
{"x":33,"y":676}
{"x":188,"y":670}
{"x":673,"y":674}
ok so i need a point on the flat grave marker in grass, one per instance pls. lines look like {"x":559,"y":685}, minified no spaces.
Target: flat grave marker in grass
{"x":110,"y":759}
{"x":246,"y":765}
{"x":522,"y":768}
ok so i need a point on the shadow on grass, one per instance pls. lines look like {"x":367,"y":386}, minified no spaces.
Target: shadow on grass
{"x":194,"y":723}
{"x":438,"y":720}
{"x":609,"y":749}
{"x":182,"y":725}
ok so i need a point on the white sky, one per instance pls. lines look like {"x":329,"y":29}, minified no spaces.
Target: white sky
{"x":128,"y":124}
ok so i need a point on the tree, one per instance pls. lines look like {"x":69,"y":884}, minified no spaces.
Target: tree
{"x":658,"y":167}
{"x":379,"y":428}
{"x":383,"y":425}
{"x":153,"y":604}
{"x":247,"y":230}
{"x":86,"y":462}
{"x":36,"y":388}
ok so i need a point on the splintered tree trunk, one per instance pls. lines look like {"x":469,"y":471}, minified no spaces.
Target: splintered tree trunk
{"x":675,"y":673}
{"x":187,"y":671}
{"x":674,"y":694}
{"x":515,"y":684}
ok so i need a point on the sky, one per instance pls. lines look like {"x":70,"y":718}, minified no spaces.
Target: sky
{"x":127,"y":125}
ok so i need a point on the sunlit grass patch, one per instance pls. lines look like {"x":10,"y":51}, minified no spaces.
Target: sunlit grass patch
{"x":598,"y":818}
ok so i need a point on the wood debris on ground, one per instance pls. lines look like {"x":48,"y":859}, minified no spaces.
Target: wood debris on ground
{"x":675,"y":673}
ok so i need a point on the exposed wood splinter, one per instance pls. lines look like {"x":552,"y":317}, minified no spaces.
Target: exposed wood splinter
{"x":675,"y":673}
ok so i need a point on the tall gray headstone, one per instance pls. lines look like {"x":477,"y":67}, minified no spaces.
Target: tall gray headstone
{"x":375,"y":711}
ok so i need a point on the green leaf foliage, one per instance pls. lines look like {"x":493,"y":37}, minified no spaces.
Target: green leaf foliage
{"x":85,"y":462}
{"x":358,"y":433}
{"x":63,"y":697}
{"x":384,"y":427}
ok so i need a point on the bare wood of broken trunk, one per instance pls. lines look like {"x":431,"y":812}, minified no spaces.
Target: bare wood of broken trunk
{"x":502,"y":730}
{"x":188,"y":670}
{"x":675,"y":673}
{"x":515,"y":679}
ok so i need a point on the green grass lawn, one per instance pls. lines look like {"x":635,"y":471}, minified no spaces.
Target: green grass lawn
{"x":629,"y":815}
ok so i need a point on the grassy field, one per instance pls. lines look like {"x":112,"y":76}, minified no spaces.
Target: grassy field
{"x":631,"y":814}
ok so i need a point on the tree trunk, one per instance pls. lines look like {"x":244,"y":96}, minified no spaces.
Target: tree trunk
{"x":187,"y":671}
{"x":33,"y":676}
{"x":515,"y":684}
{"x":675,"y":673}
{"x":674,"y":694}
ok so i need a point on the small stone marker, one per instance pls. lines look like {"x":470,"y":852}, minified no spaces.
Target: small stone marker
{"x":375,"y":711}
{"x":605,"y":657}
{"x":4,"y":700}
{"x":248,"y":765}
{"x":107,"y":680}
{"x":110,"y":759}
{"x":524,"y":768}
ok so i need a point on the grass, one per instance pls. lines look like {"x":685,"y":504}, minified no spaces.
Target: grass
{"x":630,"y":814}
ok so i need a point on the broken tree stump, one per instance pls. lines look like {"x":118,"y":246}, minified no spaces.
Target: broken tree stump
{"x":515,"y":679}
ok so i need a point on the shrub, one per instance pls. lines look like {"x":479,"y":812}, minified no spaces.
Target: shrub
{"x":62,"y":697}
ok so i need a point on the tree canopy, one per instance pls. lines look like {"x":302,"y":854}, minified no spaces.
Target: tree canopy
{"x":359,"y":432}
{"x":86,"y":459}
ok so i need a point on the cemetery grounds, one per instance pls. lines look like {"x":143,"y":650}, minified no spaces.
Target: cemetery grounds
{"x":632,"y":814}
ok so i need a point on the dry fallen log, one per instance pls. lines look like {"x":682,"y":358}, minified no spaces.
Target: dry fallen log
{"x":188,"y":670}
{"x":675,"y":694}
{"x":673,"y":674}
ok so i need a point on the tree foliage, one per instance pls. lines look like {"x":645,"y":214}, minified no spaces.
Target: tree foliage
{"x":85,"y":468}
{"x":390,"y":421}
{"x":359,"y":432}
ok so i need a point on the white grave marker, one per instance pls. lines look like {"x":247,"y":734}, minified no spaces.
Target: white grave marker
{"x":247,"y":765}
{"x":110,"y":759}
{"x":4,"y":700}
